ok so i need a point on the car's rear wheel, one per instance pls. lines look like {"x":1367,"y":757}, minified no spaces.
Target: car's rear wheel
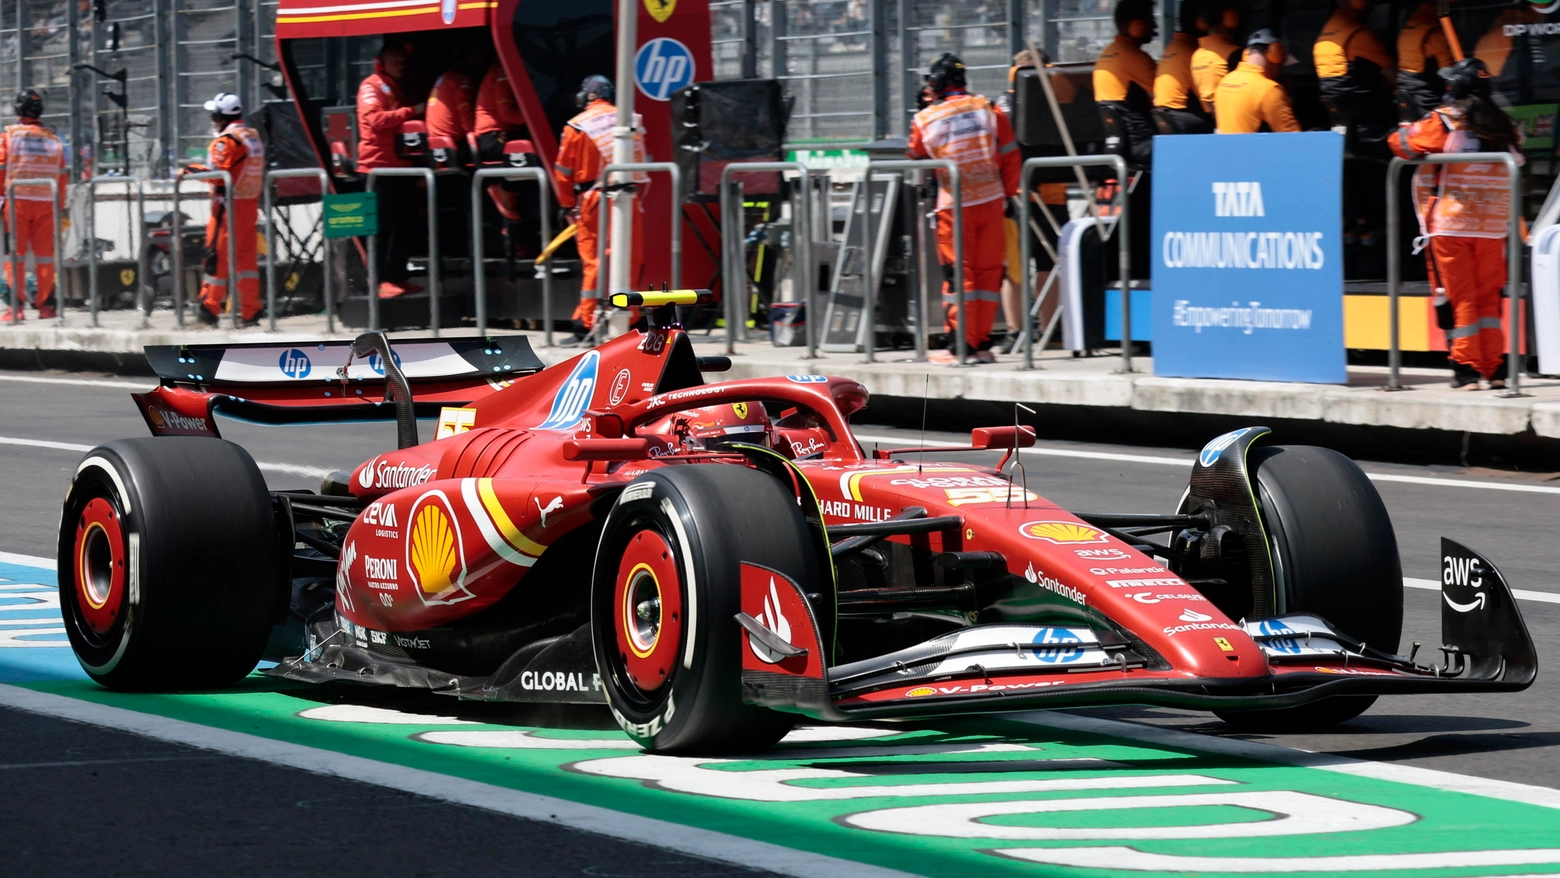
{"x":1335,"y":555}
{"x":665,"y":594}
{"x":169,"y":567}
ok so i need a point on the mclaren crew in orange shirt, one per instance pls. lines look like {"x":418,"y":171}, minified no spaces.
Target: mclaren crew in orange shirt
{"x":1250,"y":99}
{"x":972,"y":132}
{"x":1421,"y":51}
{"x":238,"y":150}
{"x":1463,"y":213}
{"x":1175,"y":89}
{"x":1500,"y":43}
{"x":1357,"y":77}
{"x":585,"y":151}
{"x":30,"y":150}
{"x":382,"y":105}
{"x":1217,"y":52}
{"x":1124,"y":77}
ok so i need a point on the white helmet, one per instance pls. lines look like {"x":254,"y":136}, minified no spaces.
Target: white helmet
{"x":225,"y":104}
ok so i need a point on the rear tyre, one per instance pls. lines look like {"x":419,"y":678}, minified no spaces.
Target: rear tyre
{"x":169,"y":567}
{"x":1335,"y":555}
{"x":664,"y":598}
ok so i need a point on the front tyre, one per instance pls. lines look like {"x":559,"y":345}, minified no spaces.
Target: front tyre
{"x":169,"y":566}
{"x":1335,"y":555}
{"x":665,"y":594}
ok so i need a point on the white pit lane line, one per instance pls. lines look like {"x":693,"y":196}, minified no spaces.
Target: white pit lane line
{"x":290,"y":469}
{"x":79,"y":382}
{"x":1160,"y":460}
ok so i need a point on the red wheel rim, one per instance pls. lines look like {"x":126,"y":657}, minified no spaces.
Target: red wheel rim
{"x":648,"y":602}
{"x":100,"y":565}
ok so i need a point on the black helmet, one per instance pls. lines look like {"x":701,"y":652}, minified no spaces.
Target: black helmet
{"x":1467,"y":77}
{"x":29,"y":104}
{"x":598,"y":85}
{"x":945,"y":72}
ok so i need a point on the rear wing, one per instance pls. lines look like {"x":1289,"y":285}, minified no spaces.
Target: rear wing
{"x":321,"y":381}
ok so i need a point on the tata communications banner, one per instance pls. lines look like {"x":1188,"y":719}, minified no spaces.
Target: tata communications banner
{"x":1248,"y":271}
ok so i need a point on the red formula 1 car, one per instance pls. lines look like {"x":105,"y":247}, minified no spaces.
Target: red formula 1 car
{"x":716,"y":560}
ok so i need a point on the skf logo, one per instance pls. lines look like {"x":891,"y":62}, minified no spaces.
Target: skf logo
{"x":1061,"y":532}
{"x":660,"y":10}
{"x":1237,"y":199}
{"x":434,"y":551}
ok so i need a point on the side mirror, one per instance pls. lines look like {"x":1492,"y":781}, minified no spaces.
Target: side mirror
{"x":606,"y":449}
{"x":1002,"y":437}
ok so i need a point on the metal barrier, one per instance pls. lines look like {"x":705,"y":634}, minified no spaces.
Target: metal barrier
{"x":1123,"y":246}
{"x":176,"y":244}
{"x":478,"y":272}
{"x":92,"y":253}
{"x":434,"y":272}
{"x":1513,"y":260}
{"x":677,"y":219}
{"x":869,"y":307}
{"x":802,"y":252}
{"x":270,"y":246}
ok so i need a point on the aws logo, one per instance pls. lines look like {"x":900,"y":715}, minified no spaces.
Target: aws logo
{"x":435,"y":552}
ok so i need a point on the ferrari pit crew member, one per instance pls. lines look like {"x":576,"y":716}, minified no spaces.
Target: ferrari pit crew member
{"x":1124,"y":77}
{"x":1217,"y":52}
{"x":586,"y":150}
{"x":1175,"y":89}
{"x":382,"y":106}
{"x":1422,"y":50}
{"x":498,"y":121}
{"x":1250,"y":99}
{"x":1463,"y":213}
{"x":452,"y":108}
{"x":976,"y":135}
{"x":30,"y":150}
{"x":1357,"y":76}
{"x":236,"y":149}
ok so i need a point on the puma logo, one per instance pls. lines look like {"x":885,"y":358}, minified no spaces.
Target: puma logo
{"x":552,"y":506}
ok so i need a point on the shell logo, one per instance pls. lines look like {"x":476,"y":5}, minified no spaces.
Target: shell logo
{"x":921,"y":692}
{"x":1062,"y":532}
{"x":156,"y":416}
{"x":435,"y":553}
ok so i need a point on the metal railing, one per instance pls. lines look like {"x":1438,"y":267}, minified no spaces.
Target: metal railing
{"x":270,"y":246}
{"x":1123,"y":247}
{"x":869,"y":283}
{"x":176,"y":243}
{"x":478,"y":270}
{"x":602,"y":210}
{"x":1513,"y":261}
{"x":434,"y":270}
{"x":91,"y":234}
{"x":801,"y":257}
{"x":18,"y":266}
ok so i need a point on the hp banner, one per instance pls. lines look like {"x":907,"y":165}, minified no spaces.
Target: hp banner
{"x":1248,"y":271}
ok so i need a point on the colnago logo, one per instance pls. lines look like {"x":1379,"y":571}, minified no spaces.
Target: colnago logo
{"x":1237,"y":199}
{"x":294,"y":363}
{"x":385,"y":474}
{"x":1466,"y":573}
{"x":1054,"y":586}
{"x":574,"y":396}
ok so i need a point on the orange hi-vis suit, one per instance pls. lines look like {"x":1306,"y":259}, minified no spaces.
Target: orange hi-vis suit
{"x":585,"y":151}
{"x":31,"y":151}
{"x":976,"y":135}
{"x":452,"y":108}
{"x":238,"y":151}
{"x":1464,"y":211}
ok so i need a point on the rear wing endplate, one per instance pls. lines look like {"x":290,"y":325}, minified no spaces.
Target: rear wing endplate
{"x":316,"y":363}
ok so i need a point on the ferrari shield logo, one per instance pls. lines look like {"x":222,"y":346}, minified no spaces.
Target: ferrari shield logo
{"x":661,"y":10}
{"x":740,"y":408}
{"x":126,"y":277}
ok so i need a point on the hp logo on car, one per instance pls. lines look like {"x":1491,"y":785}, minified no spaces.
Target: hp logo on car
{"x":662,"y":66}
{"x":574,"y":396}
{"x":1271,"y":628}
{"x":295,"y":364}
{"x":1062,"y":655}
{"x":378,"y":365}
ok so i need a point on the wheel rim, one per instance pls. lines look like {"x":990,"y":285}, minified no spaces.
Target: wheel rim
{"x":648,"y":610}
{"x":99,"y":565}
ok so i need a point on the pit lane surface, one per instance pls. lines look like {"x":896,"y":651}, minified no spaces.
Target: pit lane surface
{"x":934,"y":798}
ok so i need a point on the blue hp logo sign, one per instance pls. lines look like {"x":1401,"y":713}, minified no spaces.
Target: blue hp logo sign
{"x":663,"y":66}
{"x":378,"y":365}
{"x":294,"y":364}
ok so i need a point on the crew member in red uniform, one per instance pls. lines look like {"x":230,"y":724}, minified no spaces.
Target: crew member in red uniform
{"x":452,"y":108}
{"x":498,"y":121}
{"x":30,"y":150}
{"x":976,"y":135}
{"x":238,"y":150}
{"x":382,"y":105}
{"x":1463,"y":212}
{"x":585,"y":151}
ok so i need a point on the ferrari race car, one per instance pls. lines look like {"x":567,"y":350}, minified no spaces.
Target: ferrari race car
{"x":715,"y":561}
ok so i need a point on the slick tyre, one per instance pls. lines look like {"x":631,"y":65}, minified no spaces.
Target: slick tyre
{"x":170,"y":569}
{"x":1335,"y":555}
{"x":665,"y":596}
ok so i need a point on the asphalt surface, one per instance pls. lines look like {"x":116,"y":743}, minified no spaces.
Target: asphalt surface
{"x":214,"y":808}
